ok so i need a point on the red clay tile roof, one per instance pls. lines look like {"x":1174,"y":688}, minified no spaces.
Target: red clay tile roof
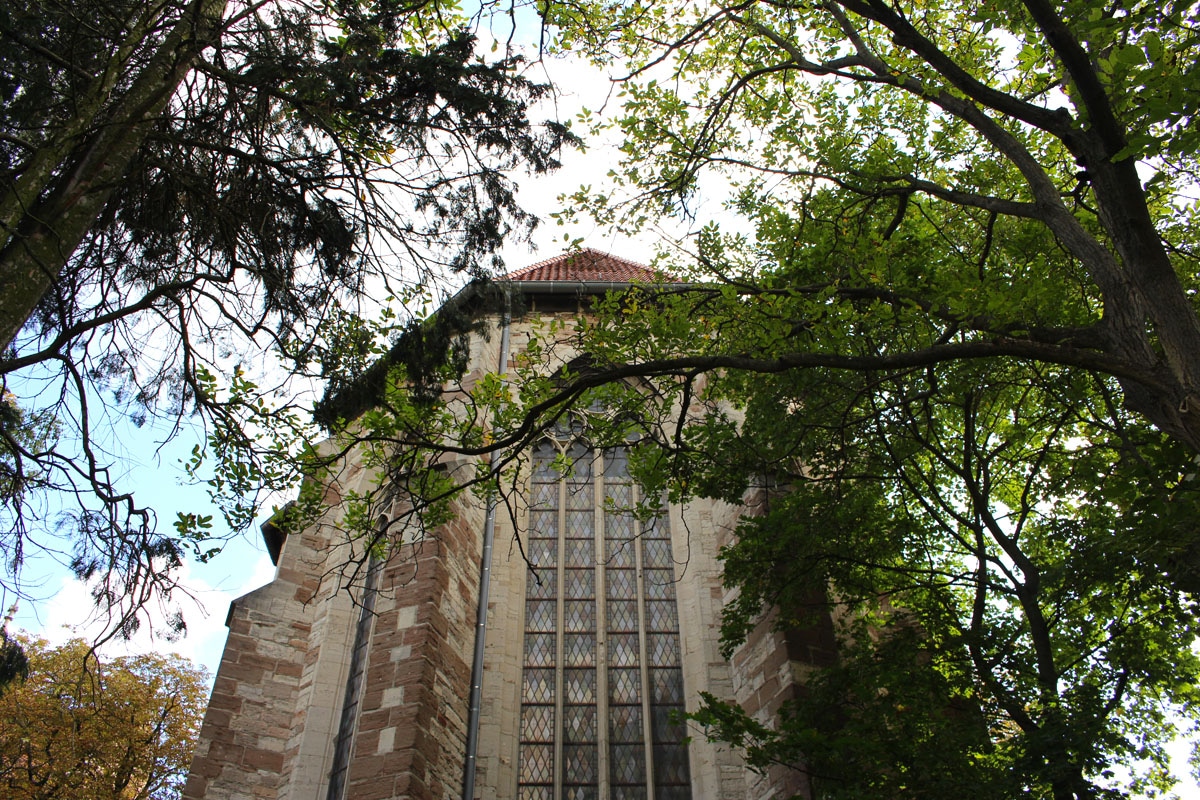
{"x":587,"y":265}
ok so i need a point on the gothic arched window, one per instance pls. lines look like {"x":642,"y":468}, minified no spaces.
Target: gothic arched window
{"x":602,"y":683}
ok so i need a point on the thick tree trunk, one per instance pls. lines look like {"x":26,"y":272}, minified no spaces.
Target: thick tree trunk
{"x":1162,"y":328}
{"x":46,"y":234}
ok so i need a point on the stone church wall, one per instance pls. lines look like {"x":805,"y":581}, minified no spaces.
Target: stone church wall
{"x":278,"y":684}
{"x":272,"y":724}
{"x":412,"y":729}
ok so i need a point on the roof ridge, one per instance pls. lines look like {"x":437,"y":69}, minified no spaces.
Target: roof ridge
{"x":586,"y":264}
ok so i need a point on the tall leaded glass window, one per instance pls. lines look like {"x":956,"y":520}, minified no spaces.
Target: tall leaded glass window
{"x":602,"y":679}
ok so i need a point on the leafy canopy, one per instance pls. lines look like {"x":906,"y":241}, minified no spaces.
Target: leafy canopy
{"x":957,"y":351}
{"x":79,"y":727}
{"x":192,"y":191}
{"x":979,"y":168}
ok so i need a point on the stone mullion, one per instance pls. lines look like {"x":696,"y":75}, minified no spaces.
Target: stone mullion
{"x":603,"y":789}
{"x":643,"y":656}
{"x":559,"y":637}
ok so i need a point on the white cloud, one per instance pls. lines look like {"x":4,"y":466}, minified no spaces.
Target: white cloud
{"x":71,"y":612}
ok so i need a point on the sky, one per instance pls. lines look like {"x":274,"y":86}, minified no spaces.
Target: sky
{"x":61,"y":607}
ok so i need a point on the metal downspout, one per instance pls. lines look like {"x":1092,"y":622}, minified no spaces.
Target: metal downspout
{"x":485,"y":579}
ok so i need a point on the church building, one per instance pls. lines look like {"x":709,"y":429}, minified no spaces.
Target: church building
{"x":541,"y":651}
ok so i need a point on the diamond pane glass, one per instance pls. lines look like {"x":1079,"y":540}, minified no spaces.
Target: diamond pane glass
{"x":655,"y":528}
{"x":627,"y":764}
{"x":683,"y":792}
{"x":536,"y":793}
{"x":622,"y":615}
{"x":663,"y":728}
{"x":619,"y":497}
{"x":537,"y":724}
{"x":579,"y":552}
{"x":539,"y":649}
{"x":537,"y":763}
{"x":624,"y":686}
{"x":666,"y":687}
{"x":540,"y":615}
{"x":543,"y":524}
{"x":579,"y":763}
{"x":670,"y":764}
{"x":580,"y":497}
{"x":540,"y":584}
{"x":618,"y":553}
{"x":538,"y":686}
{"x":661,"y":616}
{"x":660,"y":584}
{"x":662,"y":649}
{"x":625,"y":723}
{"x":619,"y":526}
{"x":580,"y":793}
{"x":622,"y":584}
{"x":657,"y":553}
{"x":579,"y":525}
{"x":580,"y":584}
{"x":623,"y":650}
{"x":579,"y":650}
{"x":544,"y":498}
{"x":579,"y":724}
{"x":579,"y":685}
{"x":579,"y":616}
{"x":543,"y":553}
